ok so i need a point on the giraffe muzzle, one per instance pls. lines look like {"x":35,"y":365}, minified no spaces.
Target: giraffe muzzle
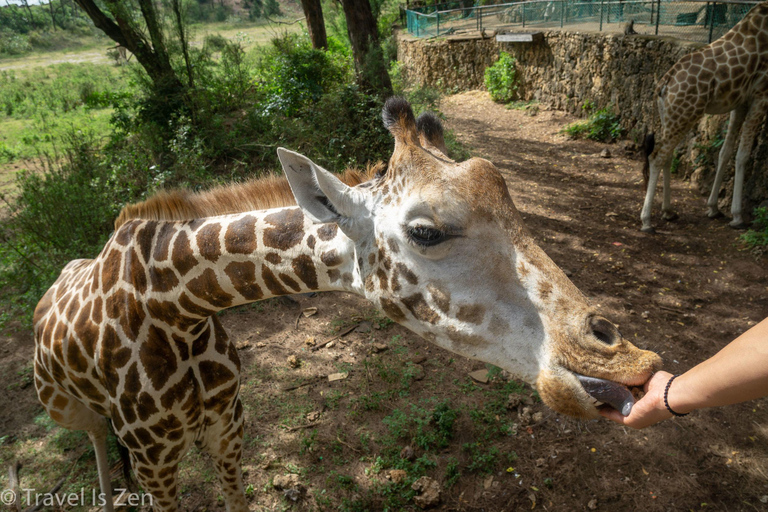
{"x":608,"y":392}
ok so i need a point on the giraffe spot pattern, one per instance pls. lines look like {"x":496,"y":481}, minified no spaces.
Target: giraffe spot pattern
{"x":242,"y":275}
{"x":182,"y":257}
{"x":305,"y":270}
{"x":157,"y":357}
{"x":206,"y":286}
{"x":208,"y":244}
{"x":271,"y":282}
{"x":163,"y":241}
{"x":420,"y":309}
{"x":288,"y":231}
{"x":240,"y":237}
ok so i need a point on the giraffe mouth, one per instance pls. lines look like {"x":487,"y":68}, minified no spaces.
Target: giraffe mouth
{"x":608,"y":392}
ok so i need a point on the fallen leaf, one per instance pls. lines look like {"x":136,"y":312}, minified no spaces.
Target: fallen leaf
{"x":337,"y":376}
{"x":480,"y":376}
{"x":309,"y":312}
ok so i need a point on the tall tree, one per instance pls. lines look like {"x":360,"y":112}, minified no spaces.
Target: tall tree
{"x":315,"y":24}
{"x":152,"y":54}
{"x":364,"y":36}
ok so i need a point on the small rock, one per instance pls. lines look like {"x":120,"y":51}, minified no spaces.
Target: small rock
{"x":240,"y":345}
{"x":606,"y":153}
{"x":281,"y":482}
{"x":540,"y":462}
{"x":764,"y":499}
{"x":487,"y":483}
{"x":418,"y":372}
{"x":364,"y":327}
{"x":330,"y":345}
{"x":480,"y":376}
{"x":293,"y":361}
{"x":514,"y":401}
{"x":407,"y":453}
{"x":261,"y":344}
{"x":397,"y":475}
{"x":309,"y":312}
{"x":430,"y":492}
{"x":379,"y":347}
{"x":645,"y":314}
{"x":313,"y":416}
{"x":592,"y":505}
{"x":337,"y":376}
{"x":419,"y":359}
{"x":293,"y":493}
{"x":310,"y":341}
{"x":537,"y":417}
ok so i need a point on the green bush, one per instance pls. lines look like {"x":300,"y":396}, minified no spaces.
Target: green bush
{"x":756,"y":237}
{"x":501,"y":79}
{"x":602,"y":126}
{"x":60,"y":214}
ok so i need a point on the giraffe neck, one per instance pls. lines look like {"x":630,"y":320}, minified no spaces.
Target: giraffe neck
{"x":194,"y":269}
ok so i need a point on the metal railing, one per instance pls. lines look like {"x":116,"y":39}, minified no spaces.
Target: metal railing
{"x":693,"y":20}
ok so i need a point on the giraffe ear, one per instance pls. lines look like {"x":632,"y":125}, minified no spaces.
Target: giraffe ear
{"x":324,"y":197}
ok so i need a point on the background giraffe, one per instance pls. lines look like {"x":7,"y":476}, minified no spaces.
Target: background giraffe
{"x":729,"y":75}
{"x":132,"y":335}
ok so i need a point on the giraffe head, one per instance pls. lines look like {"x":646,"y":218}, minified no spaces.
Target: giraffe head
{"x":440,"y":248}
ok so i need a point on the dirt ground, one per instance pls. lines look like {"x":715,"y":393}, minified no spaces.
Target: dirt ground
{"x":684,"y":293}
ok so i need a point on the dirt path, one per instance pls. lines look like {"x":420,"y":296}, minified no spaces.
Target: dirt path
{"x":683,"y":293}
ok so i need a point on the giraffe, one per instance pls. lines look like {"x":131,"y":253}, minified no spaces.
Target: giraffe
{"x":438,"y":246}
{"x":728,"y":75}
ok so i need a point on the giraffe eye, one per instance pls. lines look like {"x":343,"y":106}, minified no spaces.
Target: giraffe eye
{"x":426,"y":236}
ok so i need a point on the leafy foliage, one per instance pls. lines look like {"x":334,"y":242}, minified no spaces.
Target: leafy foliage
{"x":756,"y":237}
{"x":602,"y":125}
{"x":501,"y":79}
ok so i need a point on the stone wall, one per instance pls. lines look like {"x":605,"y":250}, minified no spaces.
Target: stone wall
{"x":566,"y":70}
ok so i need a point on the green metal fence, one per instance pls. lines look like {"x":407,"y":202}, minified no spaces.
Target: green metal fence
{"x":693,"y":20}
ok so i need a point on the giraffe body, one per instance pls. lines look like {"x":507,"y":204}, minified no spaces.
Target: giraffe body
{"x":438,"y":246}
{"x":729,"y":75}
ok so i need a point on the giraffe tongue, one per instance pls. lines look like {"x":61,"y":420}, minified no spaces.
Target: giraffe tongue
{"x":608,"y":392}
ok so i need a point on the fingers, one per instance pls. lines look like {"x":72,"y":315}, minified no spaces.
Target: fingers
{"x":647,"y":411}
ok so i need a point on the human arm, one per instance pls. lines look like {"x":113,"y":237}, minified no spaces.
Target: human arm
{"x":739,"y":372}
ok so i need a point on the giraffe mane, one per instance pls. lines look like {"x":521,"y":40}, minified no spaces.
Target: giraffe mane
{"x":270,"y":191}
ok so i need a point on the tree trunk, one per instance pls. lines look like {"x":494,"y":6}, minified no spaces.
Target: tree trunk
{"x":315,"y":24}
{"x":364,"y":36}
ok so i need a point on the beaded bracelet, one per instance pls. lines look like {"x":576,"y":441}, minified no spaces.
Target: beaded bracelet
{"x":666,"y":401}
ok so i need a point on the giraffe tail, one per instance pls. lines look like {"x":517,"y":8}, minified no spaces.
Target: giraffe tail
{"x":649,"y":142}
{"x":125,"y":458}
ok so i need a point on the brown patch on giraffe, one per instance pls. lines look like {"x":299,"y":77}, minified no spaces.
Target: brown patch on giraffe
{"x":271,"y":282}
{"x":220,"y":337}
{"x":206,"y":286}
{"x":392,"y":310}
{"x":465,"y":339}
{"x":221,"y":401}
{"x":200,"y":344}
{"x":208,"y":244}
{"x":393,"y":247}
{"x":240,"y":237}
{"x":162,"y":279}
{"x":44,"y":394}
{"x":471,"y":313}
{"x":75,"y":359}
{"x":163,"y":241}
{"x":42,"y":307}
{"x":305,"y":270}
{"x":347,"y":279}
{"x":440,"y":297}
{"x":157,"y":357}
{"x":193,"y":308}
{"x":86,"y":330}
{"x":144,"y":239}
{"x":290,"y":282}
{"x":88,"y":389}
{"x":130,"y":313}
{"x":124,"y":235}
{"x":176,"y":393}
{"x":383,"y":279}
{"x":420,"y":309}
{"x":273,"y":258}
{"x":110,"y":271}
{"x":145,"y":406}
{"x":214,"y":374}
{"x":169,"y":428}
{"x":408,"y":274}
{"x":243,"y":279}
{"x":60,"y":402}
{"x":332,"y":258}
{"x":182,"y":257}
{"x":333,"y":275}
{"x":545,"y":290}
{"x":327,"y":232}
{"x":134,"y":272}
{"x":288,"y":230}
{"x":522,"y":270}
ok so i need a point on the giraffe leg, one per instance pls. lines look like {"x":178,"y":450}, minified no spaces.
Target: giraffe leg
{"x":224,"y":443}
{"x":666,"y":208}
{"x":68,"y":412}
{"x":749,"y":131}
{"x":734,"y":125}
{"x":660,"y":159}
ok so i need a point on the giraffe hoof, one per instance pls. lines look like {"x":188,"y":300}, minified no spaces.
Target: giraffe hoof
{"x":739,"y":225}
{"x":648,"y":230}
{"x":669,"y":216}
{"x":717,"y":214}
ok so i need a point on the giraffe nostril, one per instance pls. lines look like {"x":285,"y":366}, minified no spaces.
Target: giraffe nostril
{"x":604,"y":330}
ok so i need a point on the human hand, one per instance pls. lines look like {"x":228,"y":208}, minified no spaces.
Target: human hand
{"x":647,"y":411}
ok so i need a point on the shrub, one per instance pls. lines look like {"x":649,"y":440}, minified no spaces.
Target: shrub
{"x":756,"y":237}
{"x":602,"y":126}
{"x":501,"y":79}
